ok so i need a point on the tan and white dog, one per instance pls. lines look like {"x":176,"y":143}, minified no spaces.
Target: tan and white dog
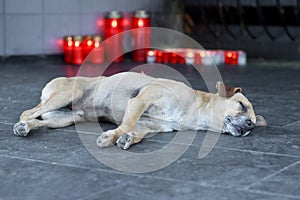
{"x":139,"y":104}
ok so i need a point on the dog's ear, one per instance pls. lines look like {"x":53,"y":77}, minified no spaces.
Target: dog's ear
{"x":226,"y":91}
{"x":260,"y":121}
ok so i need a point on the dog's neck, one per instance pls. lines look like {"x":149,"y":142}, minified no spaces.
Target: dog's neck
{"x":205,"y":99}
{"x":205,"y":103}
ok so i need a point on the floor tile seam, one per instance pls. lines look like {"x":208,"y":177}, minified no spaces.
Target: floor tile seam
{"x":11,"y":100}
{"x":272,"y":194}
{"x":70,"y":165}
{"x":272,"y":175}
{"x":284,"y":126}
{"x":6,"y":123}
{"x":259,"y":152}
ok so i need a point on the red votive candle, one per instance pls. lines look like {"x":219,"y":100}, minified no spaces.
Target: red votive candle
{"x":159,"y":56}
{"x":113,"y":26}
{"x":231,"y":57}
{"x":173,"y":58}
{"x":181,"y":57}
{"x":151,"y":56}
{"x":198,"y":59}
{"x":142,"y":37}
{"x":166,"y":56}
{"x":97,"y":56}
{"x":87,"y":45}
{"x":68,"y":43}
{"x":77,"y":53}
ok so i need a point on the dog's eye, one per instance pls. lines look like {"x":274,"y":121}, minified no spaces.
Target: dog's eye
{"x":243,"y":107}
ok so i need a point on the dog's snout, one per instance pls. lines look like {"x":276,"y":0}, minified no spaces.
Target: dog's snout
{"x":249,"y":124}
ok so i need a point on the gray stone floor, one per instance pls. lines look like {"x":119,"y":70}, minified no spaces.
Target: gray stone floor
{"x":54,"y":164}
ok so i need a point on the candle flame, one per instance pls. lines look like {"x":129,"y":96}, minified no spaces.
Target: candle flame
{"x":151,"y":53}
{"x":114,"y":23}
{"x":140,"y":23}
{"x":89,"y":43}
{"x":190,"y":54}
{"x":70,"y":43}
{"x":202,"y":54}
{"x":77,"y":44}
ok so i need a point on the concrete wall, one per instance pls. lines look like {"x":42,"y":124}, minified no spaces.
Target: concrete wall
{"x":32,"y":27}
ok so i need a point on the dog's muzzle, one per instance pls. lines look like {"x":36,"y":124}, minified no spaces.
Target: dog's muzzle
{"x":238,"y":125}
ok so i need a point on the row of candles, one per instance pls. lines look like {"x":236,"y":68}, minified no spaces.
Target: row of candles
{"x":77,"y":48}
{"x":196,"y":56}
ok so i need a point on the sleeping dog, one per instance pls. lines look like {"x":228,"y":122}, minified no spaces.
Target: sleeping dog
{"x":139,"y":104}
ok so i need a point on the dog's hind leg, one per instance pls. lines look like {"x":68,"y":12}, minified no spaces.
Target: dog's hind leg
{"x":52,"y":119}
{"x":55,"y":101}
{"x":56,"y":95}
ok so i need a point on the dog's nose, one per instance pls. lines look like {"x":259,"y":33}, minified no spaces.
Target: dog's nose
{"x":249,"y":124}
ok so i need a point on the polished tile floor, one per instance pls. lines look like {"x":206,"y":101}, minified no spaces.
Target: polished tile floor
{"x":54,"y":163}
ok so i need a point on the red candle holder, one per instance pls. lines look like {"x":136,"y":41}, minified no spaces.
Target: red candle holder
{"x":189,"y":57}
{"x":181,"y":57}
{"x":68,"y":47}
{"x":97,"y":56}
{"x":231,"y":57}
{"x":151,"y":56}
{"x":77,"y":53}
{"x":173,"y":58}
{"x":142,"y":37}
{"x":113,"y":26}
{"x":159,"y":56}
{"x":87,"y":45}
{"x":166,"y":56}
{"x":198,"y":58}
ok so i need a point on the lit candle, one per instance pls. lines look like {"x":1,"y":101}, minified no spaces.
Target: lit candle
{"x":231,"y":57}
{"x":206,"y":57}
{"x":173,"y":58}
{"x":114,"y":46}
{"x":197,"y":59}
{"x":166,"y":56}
{"x":181,"y":56}
{"x":151,"y":56}
{"x":159,"y":56}
{"x":97,"y":55}
{"x":141,"y":37}
{"x":68,"y":43}
{"x":190,"y":58}
{"x":77,"y":54}
{"x":87,"y":45}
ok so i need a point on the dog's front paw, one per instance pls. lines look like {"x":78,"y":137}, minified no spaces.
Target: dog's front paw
{"x":21,"y":129}
{"x":106,"y":139}
{"x":125,"y":141}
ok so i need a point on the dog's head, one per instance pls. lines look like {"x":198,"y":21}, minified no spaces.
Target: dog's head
{"x":237,"y":114}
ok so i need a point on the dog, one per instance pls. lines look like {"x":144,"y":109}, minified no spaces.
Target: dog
{"x":139,"y":104}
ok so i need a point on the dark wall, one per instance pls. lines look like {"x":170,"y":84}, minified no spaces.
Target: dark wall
{"x":268,"y":29}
